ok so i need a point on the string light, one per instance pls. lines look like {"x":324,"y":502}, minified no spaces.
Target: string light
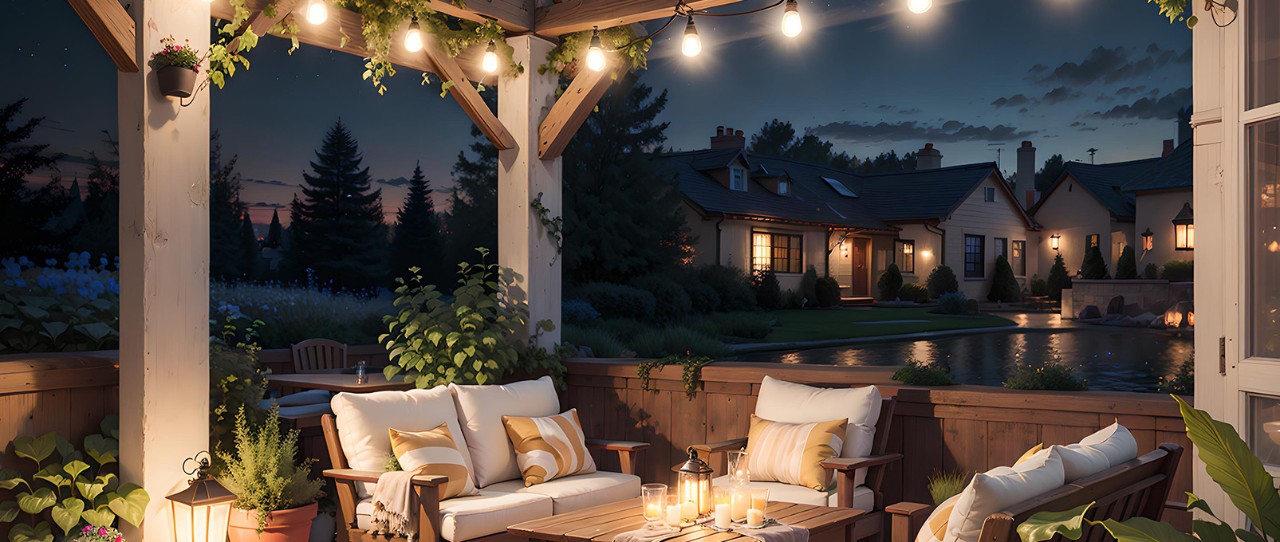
{"x":317,"y":12}
{"x":490,"y":61}
{"x":595,"y":52}
{"x":791,"y":24}
{"x":691,"y":45}
{"x":919,"y":6}
{"x":413,"y":38}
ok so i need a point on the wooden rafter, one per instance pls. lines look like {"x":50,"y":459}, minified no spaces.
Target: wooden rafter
{"x":512,"y":15}
{"x":259,"y":23}
{"x":573,"y":108}
{"x":114,"y":29}
{"x":578,"y":15}
{"x":469,"y":98}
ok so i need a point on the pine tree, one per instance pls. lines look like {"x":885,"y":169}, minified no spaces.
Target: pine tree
{"x":1058,"y":278}
{"x":472,"y":220}
{"x":23,"y":213}
{"x":1093,"y":267}
{"x":1004,"y":286}
{"x":1127,"y":266}
{"x":778,"y":138}
{"x":417,"y":241}
{"x":249,"y":248}
{"x":336,"y":227}
{"x":100,"y":233}
{"x":226,"y":254}
{"x":275,"y":232}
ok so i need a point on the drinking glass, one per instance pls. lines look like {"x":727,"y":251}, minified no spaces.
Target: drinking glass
{"x":653,"y":498}
{"x":362,"y":372}
{"x":737,"y":465}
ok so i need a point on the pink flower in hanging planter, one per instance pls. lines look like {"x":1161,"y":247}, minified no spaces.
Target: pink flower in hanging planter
{"x":173,"y":54}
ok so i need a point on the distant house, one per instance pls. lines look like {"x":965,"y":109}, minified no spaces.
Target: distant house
{"x":760,"y":212}
{"x":1112,"y":206}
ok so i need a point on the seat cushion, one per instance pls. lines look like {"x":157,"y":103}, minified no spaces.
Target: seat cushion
{"x":467,"y":518}
{"x":863,"y":497}
{"x":480,"y":410}
{"x":580,"y":491}
{"x":793,"y":453}
{"x":364,"y":419}
{"x":1001,"y":487}
{"x":797,"y":403}
{"x":309,"y":397}
{"x":305,"y":411}
{"x":549,"y":447}
{"x":434,"y":452}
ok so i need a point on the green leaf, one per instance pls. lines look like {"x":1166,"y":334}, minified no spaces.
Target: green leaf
{"x":53,"y":330}
{"x":34,"y":503}
{"x":35,"y":448}
{"x":1248,"y":536}
{"x":8,"y":511}
{"x":390,"y":371}
{"x":1043,"y":526}
{"x":91,"y":490}
{"x":130,"y":503}
{"x":99,"y":517}
{"x":1232,"y":465}
{"x":1209,"y":531}
{"x":67,"y":513}
{"x":41,"y":532}
{"x":10,"y":479}
{"x":66,"y":450}
{"x":54,"y":475}
{"x":1145,"y":530}
{"x":110,"y":426}
{"x":102,"y":449}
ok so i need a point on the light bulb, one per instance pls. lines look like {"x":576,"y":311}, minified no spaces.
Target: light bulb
{"x":692,"y":44}
{"x":413,"y":38}
{"x":490,"y":61}
{"x":595,"y":52}
{"x":317,"y":12}
{"x":791,"y":24}
{"x":919,"y":6}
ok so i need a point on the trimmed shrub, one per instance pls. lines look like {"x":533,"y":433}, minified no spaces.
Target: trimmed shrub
{"x":1151,"y":272}
{"x":913,"y":291}
{"x":951,"y":303}
{"x":1178,"y":271}
{"x":791,"y":300}
{"x":768,"y":291}
{"x":1053,"y":375}
{"x":661,"y":342}
{"x":618,"y":300}
{"x":890,"y":283}
{"x":1093,"y":267}
{"x":1038,"y":286}
{"x":746,"y":325}
{"x":1058,"y":278}
{"x":703,"y":298}
{"x":827,"y":292}
{"x":672,"y":300}
{"x":602,"y":343}
{"x":942,"y":280}
{"x":809,"y":287}
{"x":1004,"y":286}
{"x":578,"y":311}
{"x":1127,"y":266}
{"x":918,"y":373}
{"x":623,"y":329}
{"x":731,"y":284}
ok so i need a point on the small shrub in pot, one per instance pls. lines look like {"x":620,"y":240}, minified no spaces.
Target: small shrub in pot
{"x":275,"y":496}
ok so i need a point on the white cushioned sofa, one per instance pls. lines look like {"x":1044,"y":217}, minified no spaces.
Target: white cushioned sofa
{"x":360,"y":448}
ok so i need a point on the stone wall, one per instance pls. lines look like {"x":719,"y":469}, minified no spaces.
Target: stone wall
{"x":1151,"y":295}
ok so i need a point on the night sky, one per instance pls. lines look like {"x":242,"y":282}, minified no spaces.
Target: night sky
{"x":868,"y":75}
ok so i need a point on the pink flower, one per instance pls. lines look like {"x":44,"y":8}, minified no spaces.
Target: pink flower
{"x":102,"y":531}
{"x":120,"y":538}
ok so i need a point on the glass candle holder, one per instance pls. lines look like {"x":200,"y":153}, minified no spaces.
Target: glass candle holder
{"x":653,"y":499}
{"x":759,"y":498}
{"x":737,"y":466}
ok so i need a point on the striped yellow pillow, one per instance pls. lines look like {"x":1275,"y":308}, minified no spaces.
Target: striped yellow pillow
{"x":793,"y":453}
{"x":434,"y":452}
{"x":935,"y":528}
{"x":550,"y":447}
{"x":1027,"y":455}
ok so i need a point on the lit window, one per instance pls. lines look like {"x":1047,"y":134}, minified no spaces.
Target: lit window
{"x":777,"y":252}
{"x":738,"y":179}
{"x":1019,"y":258}
{"x":906,"y":256}
{"x":975,"y":256}
{"x":784,"y":187}
{"x":989,"y":194}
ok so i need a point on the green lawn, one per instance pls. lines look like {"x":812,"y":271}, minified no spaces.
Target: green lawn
{"x":818,"y":325}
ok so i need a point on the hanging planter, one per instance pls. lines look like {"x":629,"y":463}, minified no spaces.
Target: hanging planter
{"x":177,"y":67}
{"x":176,"y":82}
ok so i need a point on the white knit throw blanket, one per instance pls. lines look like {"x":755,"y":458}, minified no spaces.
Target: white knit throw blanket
{"x":392,"y":504}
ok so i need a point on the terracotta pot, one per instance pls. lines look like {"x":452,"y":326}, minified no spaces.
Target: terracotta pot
{"x":176,"y":82}
{"x":283,"y":526}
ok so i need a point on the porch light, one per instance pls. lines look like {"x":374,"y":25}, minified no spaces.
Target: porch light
{"x":202,"y":510}
{"x":692,"y":44}
{"x":595,"y":52}
{"x":1054,"y":241}
{"x":1147,"y":240}
{"x":413,"y":38}
{"x":694,"y":487}
{"x":317,"y":12}
{"x":490,"y":61}
{"x":919,"y":6}
{"x":1184,"y":229}
{"x":791,"y":24}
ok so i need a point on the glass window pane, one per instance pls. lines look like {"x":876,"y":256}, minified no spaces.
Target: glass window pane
{"x":1263,"y":162}
{"x":1264,"y":428}
{"x":1263,"y":49}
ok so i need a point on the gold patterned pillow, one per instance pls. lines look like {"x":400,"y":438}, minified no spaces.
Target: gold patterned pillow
{"x":434,"y":452}
{"x":793,"y":453}
{"x":550,"y":447}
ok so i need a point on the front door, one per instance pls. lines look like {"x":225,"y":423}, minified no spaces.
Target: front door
{"x":861,"y":263}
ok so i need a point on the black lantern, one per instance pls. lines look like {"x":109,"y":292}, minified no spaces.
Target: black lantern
{"x":693,"y":483}
{"x":1147,"y":240}
{"x":202,"y":510}
{"x":1184,"y":229}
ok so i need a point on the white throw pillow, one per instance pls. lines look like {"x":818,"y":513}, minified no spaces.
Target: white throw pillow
{"x":993,"y":491}
{"x":1100,"y":451}
{"x":788,"y":402}
{"x":364,"y":418}
{"x":1114,"y":440}
{"x":480,"y":412}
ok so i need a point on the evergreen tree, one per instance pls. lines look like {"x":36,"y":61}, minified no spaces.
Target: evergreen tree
{"x":100,"y":233}
{"x":249,"y":248}
{"x":472,"y":220}
{"x":1093,"y":267}
{"x":275,"y":232}
{"x":1127,"y":266}
{"x":890,"y":283}
{"x":336,"y":228}
{"x":778,"y":138}
{"x":23,"y":212}
{"x":1004,"y":286}
{"x":226,"y":251}
{"x":1052,"y":169}
{"x":1058,"y":278}
{"x":623,"y":213}
{"x":417,"y":241}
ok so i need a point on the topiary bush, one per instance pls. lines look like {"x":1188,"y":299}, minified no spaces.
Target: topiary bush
{"x":731,"y":284}
{"x":809,"y":287}
{"x":1038,"y":286}
{"x":890,"y":283}
{"x":672,"y":301}
{"x":913,"y":291}
{"x":828,"y":292}
{"x":1093,"y":267}
{"x":1178,"y":271}
{"x":767,"y":289}
{"x":702,"y":298}
{"x":1058,"y":278}
{"x":918,"y":373}
{"x":1127,"y":266}
{"x":1004,"y":286}
{"x":1151,"y":272}
{"x":1053,"y":375}
{"x":952,"y":303}
{"x":942,"y":280}
{"x":578,"y":311}
{"x":619,"y":300}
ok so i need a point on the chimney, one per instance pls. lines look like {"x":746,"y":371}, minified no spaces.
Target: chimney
{"x":1031,"y":199}
{"x":1168,"y":148}
{"x":728,"y":138}
{"x":928,"y":158}
{"x":1026,"y":175}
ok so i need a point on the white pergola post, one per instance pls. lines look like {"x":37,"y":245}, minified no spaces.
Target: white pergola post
{"x":164,"y":267}
{"x":523,"y":243}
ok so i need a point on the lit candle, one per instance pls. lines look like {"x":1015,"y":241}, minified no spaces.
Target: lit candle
{"x":755,"y":517}
{"x":689,"y":511}
{"x":723,"y":518}
{"x":758,"y":499}
{"x":653,"y":512}
{"x":673,"y":515}
{"x":741,"y":502}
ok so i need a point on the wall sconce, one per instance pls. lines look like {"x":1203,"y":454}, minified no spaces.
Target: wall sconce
{"x":926,"y":254}
{"x":1184,"y":229}
{"x":844,"y":249}
{"x":1054,"y":241}
{"x":1146,"y":240}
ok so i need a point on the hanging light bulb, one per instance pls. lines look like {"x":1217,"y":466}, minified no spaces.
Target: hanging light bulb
{"x":490,"y":61}
{"x":791,"y":24}
{"x":413,"y":38}
{"x":919,"y":6}
{"x":692,"y":44}
{"x":595,"y":52}
{"x":317,"y":12}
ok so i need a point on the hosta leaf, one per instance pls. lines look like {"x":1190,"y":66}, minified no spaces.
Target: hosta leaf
{"x":67,"y":514}
{"x":53,"y":330}
{"x":91,"y":490}
{"x":10,"y":479}
{"x":1232,"y":465}
{"x":102,"y":449}
{"x":34,"y":503}
{"x":66,"y":450}
{"x":35,"y":448}
{"x":41,"y":532}
{"x":130,"y":503}
{"x":54,"y":475}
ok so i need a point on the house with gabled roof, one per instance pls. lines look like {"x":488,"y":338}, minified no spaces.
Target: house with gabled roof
{"x":762,"y":212}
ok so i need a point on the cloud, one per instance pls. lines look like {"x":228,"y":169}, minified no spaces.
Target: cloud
{"x":909,"y":111}
{"x":948,"y":132}
{"x":1110,"y":65}
{"x":271,"y":182}
{"x":1011,"y":101}
{"x":1059,"y":95}
{"x":1162,"y":108}
{"x":1083,"y":127}
{"x":1039,"y":68}
{"x":398,"y":181}
{"x":1130,"y":91}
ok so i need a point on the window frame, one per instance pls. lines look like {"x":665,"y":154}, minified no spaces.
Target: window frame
{"x":989,"y":194}
{"x":784,"y":187}
{"x":793,"y":256}
{"x":1093,"y":240}
{"x":737,"y":174}
{"x":1018,"y":257}
{"x":900,"y":255}
{"x":981,"y":256}
{"x":1002,"y":247}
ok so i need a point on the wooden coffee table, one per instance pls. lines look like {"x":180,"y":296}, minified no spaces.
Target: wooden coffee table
{"x":602,"y":523}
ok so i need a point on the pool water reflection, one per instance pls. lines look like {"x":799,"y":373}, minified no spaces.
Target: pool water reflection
{"x":1114,"y":359}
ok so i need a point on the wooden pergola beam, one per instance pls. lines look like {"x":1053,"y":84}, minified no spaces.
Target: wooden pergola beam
{"x":113,"y":27}
{"x":468,"y":97}
{"x":572,"y":109}
{"x":260,"y":23}
{"x":578,"y":15}
{"x":513,"y":16}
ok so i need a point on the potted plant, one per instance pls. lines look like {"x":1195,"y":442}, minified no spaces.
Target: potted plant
{"x":275,"y":498}
{"x":176,"y":68}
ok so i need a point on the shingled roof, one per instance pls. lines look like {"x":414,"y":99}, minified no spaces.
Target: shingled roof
{"x":1172,"y":172}
{"x":1115,"y":185}
{"x":931,"y":194}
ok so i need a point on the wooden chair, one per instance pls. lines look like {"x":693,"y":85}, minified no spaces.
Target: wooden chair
{"x":871,"y":525}
{"x":318,"y":356}
{"x":1137,"y":488}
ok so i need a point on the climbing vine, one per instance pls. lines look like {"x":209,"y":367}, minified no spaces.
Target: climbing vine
{"x":573,"y":46}
{"x":1222,"y":11}
{"x":690,"y":377}
{"x":554,"y":226}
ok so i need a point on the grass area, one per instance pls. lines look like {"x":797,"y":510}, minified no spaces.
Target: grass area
{"x":818,"y":325}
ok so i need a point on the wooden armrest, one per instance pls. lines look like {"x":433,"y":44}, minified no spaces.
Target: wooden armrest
{"x":730,"y":445}
{"x":906,"y":520}
{"x":854,"y":463}
{"x":616,"y":445}
{"x":1180,"y":506}
{"x":353,"y":475}
{"x":909,"y":508}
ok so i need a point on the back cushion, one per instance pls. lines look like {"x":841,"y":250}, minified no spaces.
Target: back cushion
{"x":999,"y":488}
{"x":364,"y":419}
{"x":480,"y":412}
{"x":1100,"y":451}
{"x":788,"y":402}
